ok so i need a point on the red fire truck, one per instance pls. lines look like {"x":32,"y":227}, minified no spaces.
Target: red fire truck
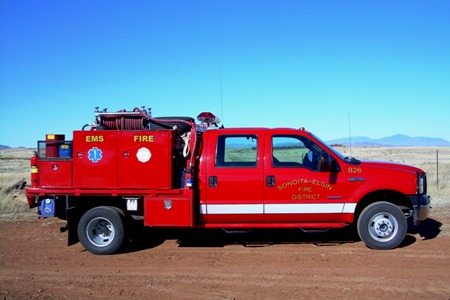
{"x":170,"y":172}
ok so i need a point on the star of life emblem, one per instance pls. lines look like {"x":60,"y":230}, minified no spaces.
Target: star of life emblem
{"x":95,"y":154}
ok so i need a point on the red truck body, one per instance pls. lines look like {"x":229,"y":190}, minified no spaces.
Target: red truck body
{"x":171,"y":172}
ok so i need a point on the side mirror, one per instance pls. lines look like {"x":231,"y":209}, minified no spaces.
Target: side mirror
{"x":335,"y":166}
{"x":328,"y":164}
{"x":324,"y":162}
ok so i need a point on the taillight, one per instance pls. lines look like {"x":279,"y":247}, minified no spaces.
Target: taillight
{"x":34,"y":171}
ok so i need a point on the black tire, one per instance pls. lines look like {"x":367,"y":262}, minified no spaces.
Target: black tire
{"x":101,"y":230}
{"x":382,"y":226}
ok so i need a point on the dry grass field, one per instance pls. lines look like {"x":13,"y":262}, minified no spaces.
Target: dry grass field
{"x":14,"y":167}
{"x":36,"y":263}
{"x":430,"y":159}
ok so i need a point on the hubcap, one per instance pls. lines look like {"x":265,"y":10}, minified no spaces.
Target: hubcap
{"x":100,"y":232}
{"x":383,"y":227}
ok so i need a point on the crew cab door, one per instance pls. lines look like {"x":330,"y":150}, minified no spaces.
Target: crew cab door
{"x":231,"y":177}
{"x":296,"y":189}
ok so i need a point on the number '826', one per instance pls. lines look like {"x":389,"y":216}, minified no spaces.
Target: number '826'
{"x":354,"y":170}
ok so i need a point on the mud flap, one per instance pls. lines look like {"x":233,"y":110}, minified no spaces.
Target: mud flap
{"x":73,"y":217}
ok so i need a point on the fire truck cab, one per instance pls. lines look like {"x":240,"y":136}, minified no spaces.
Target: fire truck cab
{"x":170,"y":172}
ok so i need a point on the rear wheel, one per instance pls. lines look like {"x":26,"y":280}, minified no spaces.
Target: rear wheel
{"x":382,"y":226}
{"x":101,"y":230}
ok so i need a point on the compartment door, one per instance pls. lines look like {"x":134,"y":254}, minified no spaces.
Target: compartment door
{"x":95,"y":159}
{"x":145,"y":159}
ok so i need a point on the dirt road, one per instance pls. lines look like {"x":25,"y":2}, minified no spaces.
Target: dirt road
{"x":35,"y":263}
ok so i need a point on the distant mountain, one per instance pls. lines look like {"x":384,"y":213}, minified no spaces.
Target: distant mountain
{"x":4,"y":147}
{"x":395,"y":140}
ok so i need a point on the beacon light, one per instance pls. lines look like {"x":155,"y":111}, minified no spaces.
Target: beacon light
{"x":208,"y":118}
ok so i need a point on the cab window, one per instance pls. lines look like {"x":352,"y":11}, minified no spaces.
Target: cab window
{"x":295,"y":151}
{"x":236,"y":151}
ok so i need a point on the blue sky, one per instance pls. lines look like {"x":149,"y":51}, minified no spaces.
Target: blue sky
{"x":386,"y":64}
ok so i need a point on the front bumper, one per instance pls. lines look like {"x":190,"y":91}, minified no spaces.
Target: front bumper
{"x":421,"y":207}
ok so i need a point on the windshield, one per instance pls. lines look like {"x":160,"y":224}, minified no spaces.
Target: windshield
{"x":337,"y":153}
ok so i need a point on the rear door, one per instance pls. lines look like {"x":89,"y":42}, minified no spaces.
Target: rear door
{"x":233,"y":181}
{"x":296,"y":191}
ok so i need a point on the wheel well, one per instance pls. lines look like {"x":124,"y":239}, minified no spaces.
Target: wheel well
{"x":83,"y":204}
{"x":393,"y":197}
{"x":80,"y":205}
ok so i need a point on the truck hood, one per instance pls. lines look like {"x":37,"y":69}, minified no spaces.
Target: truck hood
{"x":383,"y":175}
{"x":389,"y":166}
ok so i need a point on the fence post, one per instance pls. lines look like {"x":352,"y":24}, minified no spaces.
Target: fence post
{"x":437,"y":169}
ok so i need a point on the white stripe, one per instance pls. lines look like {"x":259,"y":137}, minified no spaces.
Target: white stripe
{"x":328,"y":208}
{"x":349,"y":208}
{"x":232,"y":209}
{"x":203,"y":210}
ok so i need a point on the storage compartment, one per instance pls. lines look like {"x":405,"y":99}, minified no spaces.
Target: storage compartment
{"x":95,"y":159}
{"x":145,"y":159}
{"x":168,"y":211}
{"x":55,"y":173}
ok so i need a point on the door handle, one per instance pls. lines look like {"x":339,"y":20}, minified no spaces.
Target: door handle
{"x":270,"y":181}
{"x":212,"y":181}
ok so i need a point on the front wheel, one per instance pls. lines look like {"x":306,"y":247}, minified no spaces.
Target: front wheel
{"x":101,"y":230}
{"x":382,"y":226}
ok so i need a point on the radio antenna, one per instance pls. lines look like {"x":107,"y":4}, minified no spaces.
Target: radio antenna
{"x":221,"y":97}
{"x":350,"y":133}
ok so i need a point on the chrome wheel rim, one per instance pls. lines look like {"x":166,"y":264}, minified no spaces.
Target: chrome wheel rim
{"x":100,"y":232}
{"x":383,"y":227}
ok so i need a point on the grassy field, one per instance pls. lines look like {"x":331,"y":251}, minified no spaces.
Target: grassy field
{"x":15,"y":166}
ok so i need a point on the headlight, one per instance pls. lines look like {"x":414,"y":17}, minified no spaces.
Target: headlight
{"x":421,"y":183}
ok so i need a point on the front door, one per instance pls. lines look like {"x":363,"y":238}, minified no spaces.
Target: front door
{"x":296,"y":190}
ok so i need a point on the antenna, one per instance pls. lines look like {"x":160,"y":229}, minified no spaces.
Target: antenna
{"x":221,"y":98}
{"x":350,"y":133}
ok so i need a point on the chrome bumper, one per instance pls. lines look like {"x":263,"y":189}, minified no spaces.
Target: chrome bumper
{"x":421,"y":207}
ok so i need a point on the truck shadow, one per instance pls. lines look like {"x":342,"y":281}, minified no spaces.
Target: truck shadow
{"x":268,"y":237}
{"x":427,"y":230}
{"x":147,"y":238}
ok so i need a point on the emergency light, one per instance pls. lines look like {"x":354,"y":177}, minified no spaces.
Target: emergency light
{"x":208,"y":118}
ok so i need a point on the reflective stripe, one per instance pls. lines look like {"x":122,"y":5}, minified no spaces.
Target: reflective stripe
{"x":310,"y":208}
{"x":232,"y":209}
{"x":349,"y":208}
{"x":329,"y":208}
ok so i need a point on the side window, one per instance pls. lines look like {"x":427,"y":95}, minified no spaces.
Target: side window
{"x":295,"y":151}
{"x":236,"y":151}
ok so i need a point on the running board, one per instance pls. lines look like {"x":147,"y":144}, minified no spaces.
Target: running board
{"x":324,"y":230}
{"x":237,"y":231}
